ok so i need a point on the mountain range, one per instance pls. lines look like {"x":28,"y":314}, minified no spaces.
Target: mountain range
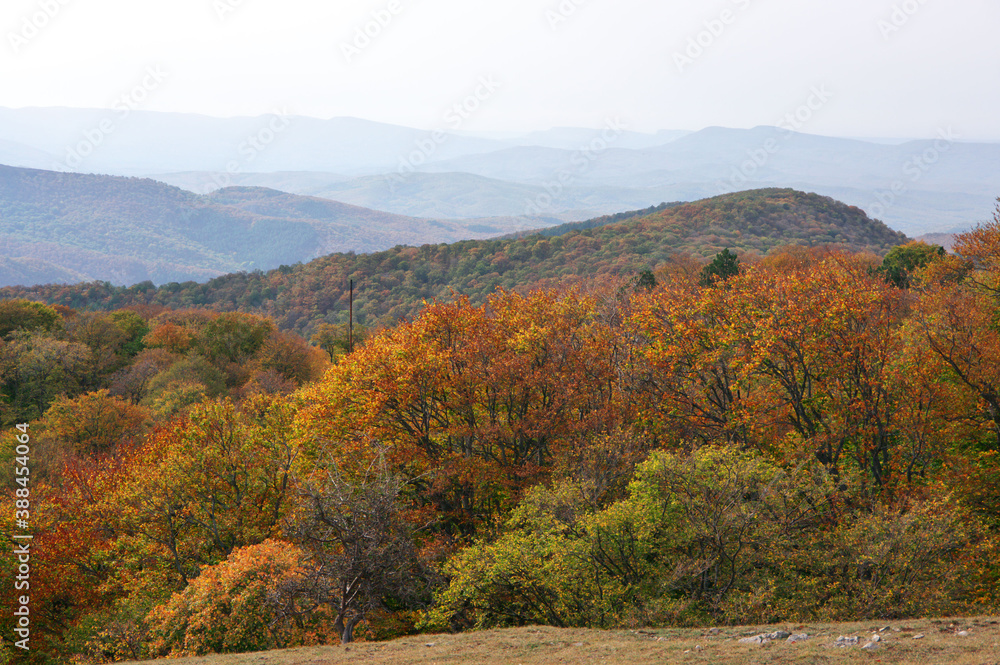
{"x":564,"y":174}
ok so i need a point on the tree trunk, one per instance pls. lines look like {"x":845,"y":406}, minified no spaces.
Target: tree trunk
{"x":338,"y":625}
{"x":347,"y":632}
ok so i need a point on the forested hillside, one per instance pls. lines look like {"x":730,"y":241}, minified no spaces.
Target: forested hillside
{"x":67,"y":227}
{"x":395,"y":283}
{"x":809,"y":436}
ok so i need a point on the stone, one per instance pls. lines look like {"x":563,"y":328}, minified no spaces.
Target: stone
{"x":871,"y":646}
{"x":764,"y":638}
{"x":918,"y":637}
{"x":963,"y":633}
{"x":798,"y":637}
{"x":846,"y":641}
{"x":756,"y":639}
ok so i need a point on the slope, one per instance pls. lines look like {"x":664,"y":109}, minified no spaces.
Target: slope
{"x":74,"y":227}
{"x":394,"y":283}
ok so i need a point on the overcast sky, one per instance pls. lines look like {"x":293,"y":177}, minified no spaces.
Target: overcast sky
{"x":890,"y":68}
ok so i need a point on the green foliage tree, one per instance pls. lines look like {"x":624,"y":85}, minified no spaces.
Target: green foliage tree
{"x":133,"y":328}
{"x":35,"y":369}
{"x":725,"y":265}
{"x":553,"y":563}
{"x":901,"y":262}
{"x":235,"y":337}
{"x":646,"y":280}
{"x":27,"y":315}
{"x":718,"y":535}
{"x":183,"y":383}
{"x":107,"y":340}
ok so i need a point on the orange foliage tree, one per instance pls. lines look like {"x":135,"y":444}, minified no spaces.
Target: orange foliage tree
{"x":477,"y":402}
{"x":94,"y":422}
{"x":960,"y":323}
{"x":235,"y":606}
{"x":801,"y":358}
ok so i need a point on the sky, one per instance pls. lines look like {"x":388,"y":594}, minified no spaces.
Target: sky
{"x":859,"y":68}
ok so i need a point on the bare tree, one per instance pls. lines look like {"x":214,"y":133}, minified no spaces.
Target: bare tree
{"x":362,"y":547}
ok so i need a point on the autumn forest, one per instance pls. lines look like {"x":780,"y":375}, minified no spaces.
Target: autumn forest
{"x":686,"y":436}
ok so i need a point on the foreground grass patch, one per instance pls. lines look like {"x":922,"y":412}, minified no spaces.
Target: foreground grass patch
{"x":945,"y":641}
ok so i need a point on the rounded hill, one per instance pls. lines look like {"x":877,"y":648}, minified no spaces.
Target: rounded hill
{"x":394,"y":283}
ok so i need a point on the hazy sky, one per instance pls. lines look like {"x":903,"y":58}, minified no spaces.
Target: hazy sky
{"x":894,"y":68}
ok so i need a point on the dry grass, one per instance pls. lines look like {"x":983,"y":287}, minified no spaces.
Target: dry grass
{"x":942,"y":645}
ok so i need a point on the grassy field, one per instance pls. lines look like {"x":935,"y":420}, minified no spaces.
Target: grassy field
{"x":942,"y":644}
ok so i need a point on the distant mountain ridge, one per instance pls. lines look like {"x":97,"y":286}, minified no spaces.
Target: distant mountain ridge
{"x":439,"y":195}
{"x":143,"y":142}
{"x":58,"y":227}
{"x":918,"y":186}
{"x":395,"y":283}
{"x":940,"y":184}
